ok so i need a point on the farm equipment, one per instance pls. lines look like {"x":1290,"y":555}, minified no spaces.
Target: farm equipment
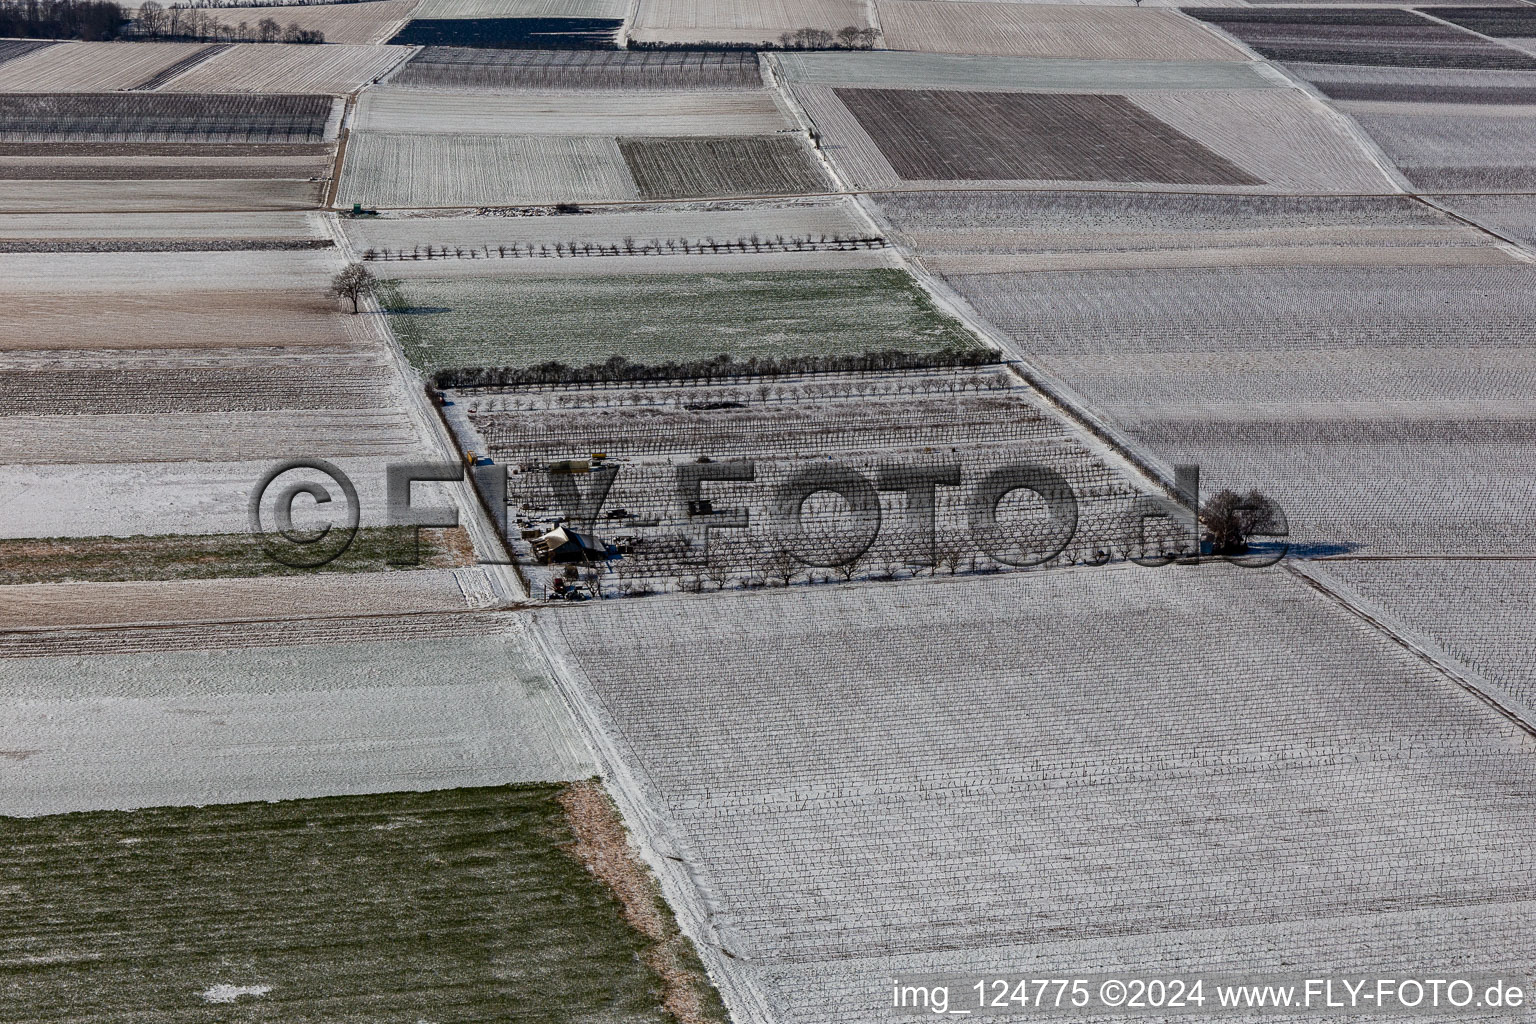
{"x":358,"y":211}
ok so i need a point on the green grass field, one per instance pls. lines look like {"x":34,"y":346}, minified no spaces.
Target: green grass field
{"x":209,"y":556}
{"x":660,"y":318}
{"x":450,"y":907}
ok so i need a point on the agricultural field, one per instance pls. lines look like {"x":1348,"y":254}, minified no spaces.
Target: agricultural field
{"x":296,"y":319}
{"x":91,"y":67}
{"x":1457,"y":152}
{"x":1412,"y":382}
{"x":371,"y":21}
{"x":684,"y":168}
{"x":136,"y":499}
{"x":425,"y":170}
{"x":1012,"y":135}
{"x":437,"y":9}
{"x":212,"y":556}
{"x":161,"y":118}
{"x":980,"y":417}
{"x":1013,"y":251}
{"x":43,"y":613}
{"x":287,"y":690}
{"x":168,"y":195}
{"x":884,"y":69}
{"x":597,"y":113}
{"x":453,"y":67}
{"x":1513,"y":22}
{"x":1512,"y":217}
{"x":1472,"y":610}
{"x":10,"y":49}
{"x":289,"y":68}
{"x":1391,"y":37}
{"x":947,"y":137}
{"x":1048,"y":30}
{"x":861,"y":838}
{"x":976,"y":232}
{"x":521,"y":321}
{"x":493,"y":901}
{"x":559,"y":33}
{"x":140,"y":151}
{"x":740,"y":21}
{"x":252,"y":229}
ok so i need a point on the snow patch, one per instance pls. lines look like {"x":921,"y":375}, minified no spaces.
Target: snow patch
{"x":229,"y":993}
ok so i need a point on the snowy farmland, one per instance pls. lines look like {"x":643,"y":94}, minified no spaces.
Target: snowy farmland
{"x":1054,"y":246}
{"x":442,"y":704}
{"x":1048,"y":30}
{"x":397,"y":170}
{"x":959,"y":425}
{"x":527,"y":112}
{"x":1220,"y":139}
{"x":90,"y":67}
{"x":1353,"y":464}
{"x":458,"y":67}
{"x":370,"y":21}
{"x":740,"y":21}
{"x":886,"y":829}
{"x":289,"y":68}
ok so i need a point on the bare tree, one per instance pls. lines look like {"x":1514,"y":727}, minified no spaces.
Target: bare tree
{"x":354,"y":283}
{"x":783,"y":566}
{"x":719,"y":573}
{"x":150,"y":19}
{"x":850,"y":568}
{"x":268,"y":30}
{"x":1230,"y":519}
{"x":949,"y":548}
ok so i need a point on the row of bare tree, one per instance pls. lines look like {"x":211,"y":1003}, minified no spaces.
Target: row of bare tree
{"x":178,"y":21}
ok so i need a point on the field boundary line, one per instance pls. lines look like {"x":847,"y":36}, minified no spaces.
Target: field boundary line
{"x":1495,"y":40}
{"x":1378,"y":156}
{"x":394,"y":27}
{"x":631,"y":14}
{"x":1425,"y":650}
{"x":1523,"y":252}
{"x":483,"y":533}
{"x":642,"y":810}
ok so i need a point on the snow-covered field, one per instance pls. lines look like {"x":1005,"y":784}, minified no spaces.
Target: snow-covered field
{"x":874,"y":778}
{"x":1256,"y":128}
{"x":371,"y":21}
{"x":1091,"y":32}
{"x":456,"y":704}
{"x":424,"y":170}
{"x":956,"y":71}
{"x":211,"y":226}
{"x":290,"y":67}
{"x":1476,"y":611}
{"x":174,"y":196}
{"x":107,"y":273}
{"x":90,"y":67}
{"x":526,"y":112}
{"x":741,"y":21}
